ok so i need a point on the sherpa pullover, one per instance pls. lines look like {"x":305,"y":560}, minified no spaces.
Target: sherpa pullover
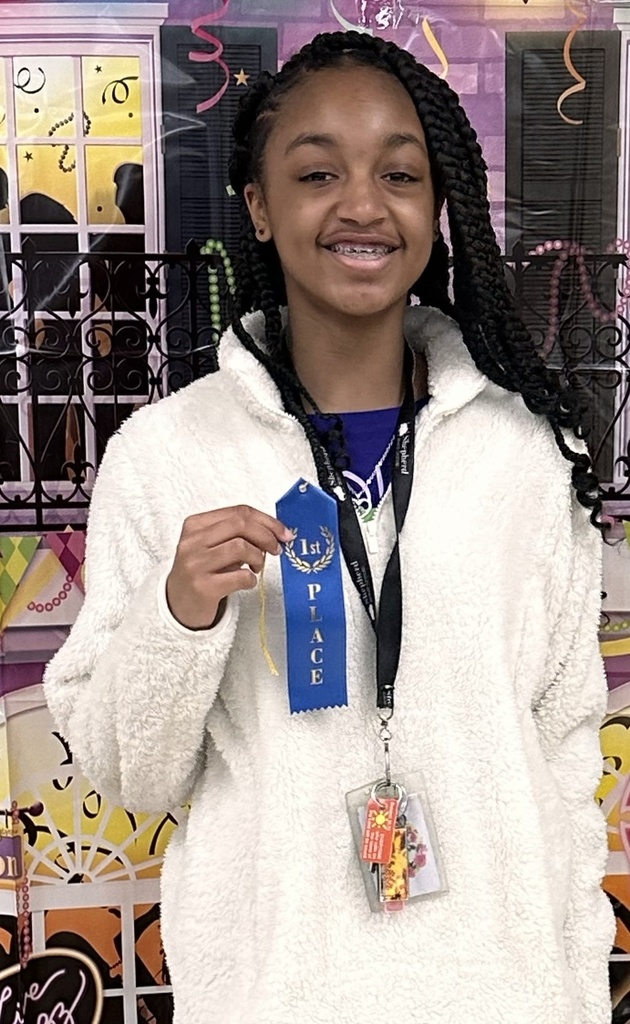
{"x":499,"y":695}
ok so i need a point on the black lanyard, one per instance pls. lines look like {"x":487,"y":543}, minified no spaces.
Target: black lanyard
{"x":387,"y":620}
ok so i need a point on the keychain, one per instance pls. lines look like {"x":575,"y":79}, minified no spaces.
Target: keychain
{"x":394,"y":836}
{"x":385,"y":831}
{"x":385,"y":844}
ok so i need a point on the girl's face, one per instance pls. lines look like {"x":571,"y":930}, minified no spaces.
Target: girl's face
{"x":347,"y":195}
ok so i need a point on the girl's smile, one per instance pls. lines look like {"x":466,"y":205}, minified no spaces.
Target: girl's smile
{"x":359,"y":254}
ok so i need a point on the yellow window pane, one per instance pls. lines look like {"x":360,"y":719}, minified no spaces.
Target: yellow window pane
{"x":44,"y":90}
{"x":3,"y":99}
{"x":47,"y":184}
{"x":4,"y":185}
{"x":111,"y":96}
{"x":115,"y":184}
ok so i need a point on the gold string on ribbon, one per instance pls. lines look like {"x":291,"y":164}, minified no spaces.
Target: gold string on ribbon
{"x":580,"y":81}
{"x":263,"y":623}
{"x":431,"y":39}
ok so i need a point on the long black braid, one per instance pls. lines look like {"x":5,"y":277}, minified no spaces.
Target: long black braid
{"x":482,"y":306}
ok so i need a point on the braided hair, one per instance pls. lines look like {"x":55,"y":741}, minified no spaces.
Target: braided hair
{"x":496,"y":338}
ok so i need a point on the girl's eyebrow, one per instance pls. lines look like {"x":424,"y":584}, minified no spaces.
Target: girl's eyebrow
{"x":394,"y":141}
{"x":311,"y":139}
{"x":398,"y":139}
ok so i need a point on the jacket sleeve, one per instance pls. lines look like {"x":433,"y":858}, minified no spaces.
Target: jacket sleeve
{"x":131,"y":688}
{"x":568,"y":716}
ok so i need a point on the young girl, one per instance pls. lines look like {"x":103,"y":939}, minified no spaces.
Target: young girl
{"x":462,"y":455}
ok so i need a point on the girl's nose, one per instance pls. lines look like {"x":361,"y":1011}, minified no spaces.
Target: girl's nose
{"x":361,"y":201}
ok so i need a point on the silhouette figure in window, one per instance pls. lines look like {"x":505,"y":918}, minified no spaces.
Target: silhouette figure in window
{"x":37,"y":208}
{"x":129,"y":182}
{"x":122,"y":288}
{"x":55,"y":281}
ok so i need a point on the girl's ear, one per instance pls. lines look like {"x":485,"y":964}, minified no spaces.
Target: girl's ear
{"x":257,"y":207}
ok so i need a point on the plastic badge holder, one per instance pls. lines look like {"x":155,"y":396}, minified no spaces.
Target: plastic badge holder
{"x":427,"y":876}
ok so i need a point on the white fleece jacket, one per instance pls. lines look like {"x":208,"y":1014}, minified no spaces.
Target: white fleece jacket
{"x":499,"y":696}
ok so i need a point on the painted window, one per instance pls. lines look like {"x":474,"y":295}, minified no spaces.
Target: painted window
{"x":80,"y":172}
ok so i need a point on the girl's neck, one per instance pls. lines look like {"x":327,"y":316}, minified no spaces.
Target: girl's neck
{"x":352,"y":366}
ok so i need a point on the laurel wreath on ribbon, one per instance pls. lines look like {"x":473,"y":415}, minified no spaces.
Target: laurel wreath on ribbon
{"x":321,"y":563}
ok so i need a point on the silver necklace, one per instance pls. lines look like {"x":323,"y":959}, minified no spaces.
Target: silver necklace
{"x":362,"y":499}
{"x":381,"y":460}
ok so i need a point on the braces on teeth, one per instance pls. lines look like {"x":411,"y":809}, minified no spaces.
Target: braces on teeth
{"x":368,"y":250}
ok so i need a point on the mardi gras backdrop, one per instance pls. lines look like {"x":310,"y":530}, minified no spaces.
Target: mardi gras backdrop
{"x":116,"y":233}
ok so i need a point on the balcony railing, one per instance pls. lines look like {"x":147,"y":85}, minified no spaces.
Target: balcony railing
{"x":87,"y":337}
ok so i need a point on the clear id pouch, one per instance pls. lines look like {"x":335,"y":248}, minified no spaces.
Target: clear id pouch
{"x":415,"y":870}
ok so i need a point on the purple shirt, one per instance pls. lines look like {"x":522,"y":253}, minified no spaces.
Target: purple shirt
{"x":368,"y":438}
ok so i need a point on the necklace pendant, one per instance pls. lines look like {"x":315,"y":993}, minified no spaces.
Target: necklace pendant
{"x":372,"y":538}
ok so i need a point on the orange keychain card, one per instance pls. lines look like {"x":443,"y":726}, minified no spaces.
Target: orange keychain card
{"x":394,"y":877}
{"x":378,"y":832}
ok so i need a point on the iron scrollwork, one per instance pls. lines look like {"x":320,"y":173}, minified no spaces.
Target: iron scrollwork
{"x":87,"y":337}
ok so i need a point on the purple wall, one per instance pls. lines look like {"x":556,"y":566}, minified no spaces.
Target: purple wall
{"x":472,"y":36}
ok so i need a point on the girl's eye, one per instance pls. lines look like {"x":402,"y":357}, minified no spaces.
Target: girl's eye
{"x":317,"y":176}
{"x":401,"y":177}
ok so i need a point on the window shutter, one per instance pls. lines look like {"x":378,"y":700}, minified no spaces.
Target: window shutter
{"x":196,"y":153}
{"x":561,"y":179}
{"x":197,"y":146}
{"x":561,"y":183}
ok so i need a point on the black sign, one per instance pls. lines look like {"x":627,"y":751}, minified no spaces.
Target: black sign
{"x":56,"y":987}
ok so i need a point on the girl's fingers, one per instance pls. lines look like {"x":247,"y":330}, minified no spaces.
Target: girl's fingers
{"x":241,"y":520}
{"x":224,"y":557}
{"x":229,"y":582}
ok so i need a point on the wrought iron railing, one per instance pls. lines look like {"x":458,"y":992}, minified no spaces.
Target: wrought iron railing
{"x":87,"y":337}
{"x":576,"y":309}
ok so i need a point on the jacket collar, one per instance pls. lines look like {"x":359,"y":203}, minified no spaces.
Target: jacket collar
{"x":453,"y":378}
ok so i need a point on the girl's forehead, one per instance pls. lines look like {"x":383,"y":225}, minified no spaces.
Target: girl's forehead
{"x":346,"y":98}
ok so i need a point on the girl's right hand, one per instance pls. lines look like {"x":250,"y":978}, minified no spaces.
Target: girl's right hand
{"x":219,"y":553}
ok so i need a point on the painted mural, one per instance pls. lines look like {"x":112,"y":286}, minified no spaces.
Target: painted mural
{"x":114,"y":130}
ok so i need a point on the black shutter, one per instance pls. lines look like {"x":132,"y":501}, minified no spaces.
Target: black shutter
{"x":196,"y":151}
{"x":561,"y":179}
{"x":197,"y":146}
{"x":561,"y":183}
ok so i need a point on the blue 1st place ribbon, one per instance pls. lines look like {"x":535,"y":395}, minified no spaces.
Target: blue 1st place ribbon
{"x":313,"y":599}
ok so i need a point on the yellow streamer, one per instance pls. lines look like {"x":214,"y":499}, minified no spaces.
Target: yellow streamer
{"x":613,"y":648}
{"x":580,"y":82}
{"x":263,"y":624}
{"x":431,"y":39}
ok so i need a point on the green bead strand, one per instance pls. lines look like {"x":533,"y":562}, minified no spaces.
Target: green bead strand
{"x":616,"y":627}
{"x":212,"y":247}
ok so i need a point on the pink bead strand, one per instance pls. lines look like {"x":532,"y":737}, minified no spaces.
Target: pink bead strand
{"x":23,"y":901}
{"x":565,"y":249}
